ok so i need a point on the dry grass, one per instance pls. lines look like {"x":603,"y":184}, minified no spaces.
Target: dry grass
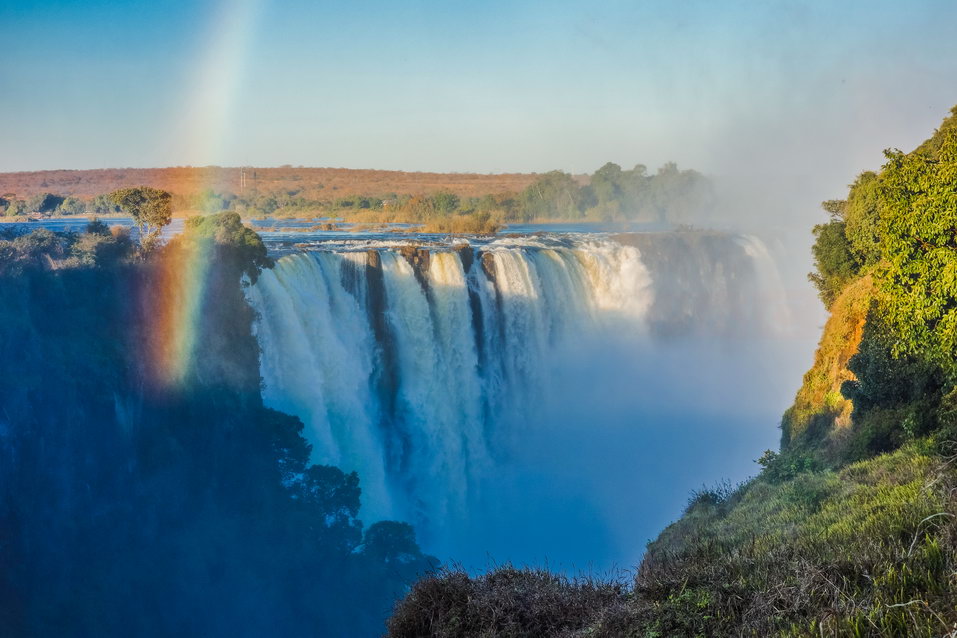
{"x":820,"y":393}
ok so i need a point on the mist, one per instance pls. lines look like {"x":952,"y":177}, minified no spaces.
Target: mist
{"x":627,"y":429}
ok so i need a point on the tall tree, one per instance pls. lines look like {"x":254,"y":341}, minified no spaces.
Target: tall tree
{"x":151,"y":208}
{"x":554,"y":195}
{"x":917,"y":227}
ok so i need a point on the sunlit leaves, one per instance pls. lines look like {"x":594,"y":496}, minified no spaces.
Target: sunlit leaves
{"x":917,"y":229}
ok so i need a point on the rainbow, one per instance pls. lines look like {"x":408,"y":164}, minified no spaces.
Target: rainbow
{"x":175,"y":309}
{"x":173,"y":312}
{"x":208,"y":116}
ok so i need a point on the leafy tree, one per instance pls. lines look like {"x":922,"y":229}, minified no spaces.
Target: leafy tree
{"x":150,"y":208}
{"x":390,"y":541}
{"x":72,"y":206}
{"x":102,"y":205}
{"x":44,"y":203}
{"x":210,"y":202}
{"x":895,"y":397}
{"x":100,"y":245}
{"x":554,"y":195}
{"x":860,"y":214}
{"x":606,"y":183}
{"x":445,"y":202}
{"x":917,"y":227}
{"x":15,"y":208}
{"x":237,"y":244}
{"x":835,"y":265}
{"x":677,"y":196}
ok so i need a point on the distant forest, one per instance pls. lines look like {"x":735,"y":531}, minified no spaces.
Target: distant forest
{"x":467,"y":201}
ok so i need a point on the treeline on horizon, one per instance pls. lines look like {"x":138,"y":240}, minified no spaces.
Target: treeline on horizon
{"x":669,"y":196}
{"x":136,"y":504}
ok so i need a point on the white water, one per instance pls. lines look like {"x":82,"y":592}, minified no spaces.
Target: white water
{"x":419,"y":380}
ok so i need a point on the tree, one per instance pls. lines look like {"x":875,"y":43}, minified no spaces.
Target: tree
{"x":834,"y":263}
{"x":678,"y":196}
{"x":72,"y":206}
{"x":445,"y":202}
{"x":606,"y":183}
{"x":860,"y":214}
{"x":15,"y":208}
{"x":102,"y":205}
{"x":150,"y":208}
{"x":237,"y":246}
{"x":554,"y":195}
{"x":917,"y":227}
{"x":44,"y":203}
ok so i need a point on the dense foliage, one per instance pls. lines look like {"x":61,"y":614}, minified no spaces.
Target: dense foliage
{"x":835,"y":263}
{"x":901,"y":224}
{"x":851,"y":528}
{"x":129,"y":509}
{"x":150,"y":208}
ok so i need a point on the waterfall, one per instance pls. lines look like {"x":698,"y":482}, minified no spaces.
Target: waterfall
{"x":775,"y":303}
{"x":409,"y":365}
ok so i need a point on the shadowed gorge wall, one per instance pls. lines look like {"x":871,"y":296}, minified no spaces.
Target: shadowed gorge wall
{"x":135,"y":502}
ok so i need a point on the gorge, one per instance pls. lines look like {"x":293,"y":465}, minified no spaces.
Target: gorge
{"x":425,"y":367}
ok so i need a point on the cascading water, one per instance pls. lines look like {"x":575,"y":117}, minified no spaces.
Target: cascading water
{"x":414,"y":366}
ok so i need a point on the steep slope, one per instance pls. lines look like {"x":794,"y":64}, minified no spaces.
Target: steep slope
{"x":819,"y":402}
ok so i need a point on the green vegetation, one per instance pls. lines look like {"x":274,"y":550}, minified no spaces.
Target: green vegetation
{"x":671,"y":196}
{"x":150,"y":208}
{"x":835,"y":263}
{"x":129,"y":507}
{"x":554,"y":195}
{"x":864,"y":551}
{"x":901,"y":224}
{"x":851,"y":528}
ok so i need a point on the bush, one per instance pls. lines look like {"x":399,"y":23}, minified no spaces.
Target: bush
{"x":710,"y":496}
{"x":834,"y":263}
{"x":504,"y":602}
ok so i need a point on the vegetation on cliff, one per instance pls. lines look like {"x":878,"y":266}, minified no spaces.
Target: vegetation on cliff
{"x":132,"y":507}
{"x":851,"y":528}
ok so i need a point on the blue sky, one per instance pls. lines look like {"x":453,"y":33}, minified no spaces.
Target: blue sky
{"x":764,"y":86}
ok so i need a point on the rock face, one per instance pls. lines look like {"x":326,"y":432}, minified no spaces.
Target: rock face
{"x":419,"y":259}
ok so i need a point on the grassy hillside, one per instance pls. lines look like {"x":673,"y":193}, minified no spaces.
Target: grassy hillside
{"x":851,"y":528}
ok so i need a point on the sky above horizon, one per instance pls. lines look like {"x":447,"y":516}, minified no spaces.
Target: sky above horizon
{"x":802,"y":88}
